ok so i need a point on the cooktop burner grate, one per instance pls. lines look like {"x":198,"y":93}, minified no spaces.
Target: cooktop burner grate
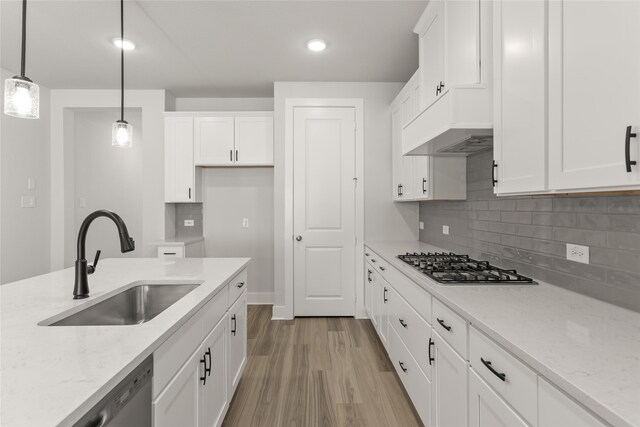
{"x":460,"y":269}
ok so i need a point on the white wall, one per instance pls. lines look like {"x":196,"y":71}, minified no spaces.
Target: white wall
{"x":106,"y":177}
{"x":24,"y":153}
{"x":224,"y":104}
{"x":384,"y":220}
{"x":63,"y":104}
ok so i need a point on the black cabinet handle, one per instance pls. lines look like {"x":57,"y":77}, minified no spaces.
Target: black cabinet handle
{"x":233,"y":330}
{"x":236,"y":155}
{"x":382,"y":268}
{"x":493,"y":173}
{"x":448,"y":328}
{"x":189,"y":193}
{"x":400,"y":190}
{"x":500,"y":375}
{"x":239,"y":285}
{"x":367,"y":254}
{"x":384,"y":295}
{"x":373,"y":260}
{"x":403,"y":323}
{"x":231,"y":155}
{"x":369,"y":276}
{"x":402,"y":366}
{"x":627,"y":149}
{"x":207,"y":369}
{"x":203,"y":378}
{"x":424,"y":185}
{"x":431,"y":359}
{"x":169,"y":253}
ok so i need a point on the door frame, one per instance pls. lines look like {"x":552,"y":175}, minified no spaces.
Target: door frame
{"x":286,"y":311}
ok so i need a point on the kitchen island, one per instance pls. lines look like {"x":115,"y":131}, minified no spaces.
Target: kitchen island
{"x":51,"y":375}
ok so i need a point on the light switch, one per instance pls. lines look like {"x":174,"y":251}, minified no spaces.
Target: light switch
{"x":445,"y":229}
{"x":28,"y":202}
{"x":245,"y":222}
{"x":82,"y":202}
{"x":31,"y":183}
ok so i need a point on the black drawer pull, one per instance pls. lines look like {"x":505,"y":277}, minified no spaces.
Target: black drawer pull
{"x":207,"y":370}
{"x":367,"y":254}
{"x":627,"y":149}
{"x":424,"y":185}
{"x":241,"y":284}
{"x":431,"y":359}
{"x":500,"y":375}
{"x":233,"y":330}
{"x":493,"y":173}
{"x":169,"y":253}
{"x":382,"y":268}
{"x":448,"y":328}
{"x":369,"y":276}
{"x":384,"y":294}
{"x":203,"y":378}
{"x":373,"y":260}
{"x":402,"y":322}
{"x":402,"y":366}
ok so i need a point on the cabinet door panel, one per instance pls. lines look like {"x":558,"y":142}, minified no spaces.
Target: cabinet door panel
{"x":450,"y":382}
{"x":432,"y":52}
{"x":396,"y":151}
{"x":487,"y":409}
{"x":178,"y":404}
{"x":557,"y":410}
{"x":421,"y":178}
{"x":213,"y":395}
{"x":254,"y":141}
{"x":237,"y":341}
{"x":179,"y":168}
{"x":520,"y":96}
{"x":594,"y":92}
{"x":214,"y":141}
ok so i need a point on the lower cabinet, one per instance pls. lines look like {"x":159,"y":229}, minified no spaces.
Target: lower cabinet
{"x":555,"y":409}
{"x":486,"y":408}
{"x":237,"y":340}
{"x":449,"y":385}
{"x":214,"y":397}
{"x":368,"y":289}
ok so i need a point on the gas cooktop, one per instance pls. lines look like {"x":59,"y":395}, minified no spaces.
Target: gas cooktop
{"x":452,"y":268}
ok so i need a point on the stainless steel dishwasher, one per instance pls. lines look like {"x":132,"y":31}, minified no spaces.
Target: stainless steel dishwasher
{"x":127,"y":405}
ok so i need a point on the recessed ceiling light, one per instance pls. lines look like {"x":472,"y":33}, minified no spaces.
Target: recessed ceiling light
{"x":124,"y":44}
{"x":317,"y":45}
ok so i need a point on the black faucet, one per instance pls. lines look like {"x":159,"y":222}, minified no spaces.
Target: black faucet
{"x":81,"y":287}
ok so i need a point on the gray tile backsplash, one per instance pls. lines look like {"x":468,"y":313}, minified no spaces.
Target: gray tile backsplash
{"x":530,"y":234}
{"x":188,"y":211}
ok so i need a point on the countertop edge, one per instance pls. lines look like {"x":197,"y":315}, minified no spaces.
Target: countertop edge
{"x":556,"y":379}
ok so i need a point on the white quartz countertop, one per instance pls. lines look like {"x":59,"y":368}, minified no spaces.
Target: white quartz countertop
{"x":52,"y":375}
{"x":588,"y":348}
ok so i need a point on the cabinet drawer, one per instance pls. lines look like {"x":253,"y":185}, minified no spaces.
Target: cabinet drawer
{"x":417,"y":297}
{"x":451,"y":327}
{"x":418,"y":386}
{"x":170,"y":251}
{"x":414,"y":331}
{"x":237,"y":285}
{"x":379,"y":264}
{"x":215,"y":310}
{"x":514,"y":381}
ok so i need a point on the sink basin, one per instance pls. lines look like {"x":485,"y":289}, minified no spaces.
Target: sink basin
{"x":132,"y":306}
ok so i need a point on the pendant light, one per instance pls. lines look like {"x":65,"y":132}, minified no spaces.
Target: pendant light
{"x":122,"y":132}
{"x":21,"y":95}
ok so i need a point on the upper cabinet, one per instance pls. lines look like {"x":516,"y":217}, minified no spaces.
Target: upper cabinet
{"x":220,"y":139}
{"x":245,"y":140}
{"x":567,"y":98}
{"x":455,"y":115}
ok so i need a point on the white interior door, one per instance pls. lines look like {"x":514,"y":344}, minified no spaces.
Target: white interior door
{"x":324,"y":211}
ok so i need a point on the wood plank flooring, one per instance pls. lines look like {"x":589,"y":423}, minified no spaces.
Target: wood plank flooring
{"x":317,"y":371}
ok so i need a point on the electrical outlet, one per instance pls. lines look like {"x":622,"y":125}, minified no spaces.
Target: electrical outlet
{"x":245,"y":222}
{"x":421,"y":225}
{"x":445,"y":229}
{"x":82,"y":202}
{"x":578,"y":253}
{"x":28,"y":202}
{"x":189,"y":223}
{"x":31,"y":183}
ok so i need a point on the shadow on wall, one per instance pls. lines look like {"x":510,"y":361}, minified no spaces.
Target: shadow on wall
{"x":100,"y":176}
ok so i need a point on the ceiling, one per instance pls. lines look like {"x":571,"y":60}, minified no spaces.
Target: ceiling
{"x":207,"y":48}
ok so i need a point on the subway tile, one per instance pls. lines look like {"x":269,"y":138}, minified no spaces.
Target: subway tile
{"x":614,"y":259}
{"x":554,"y":219}
{"x":624,"y":204}
{"x":502,"y":227}
{"x":586,"y":271}
{"x":516,"y":217}
{"x":486,"y":236}
{"x":624,"y":279}
{"x":479,"y":225}
{"x":516,"y":241}
{"x":536,"y":231}
{"x":535,"y":204}
{"x":580,"y":204}
{"x":580,"y":237}
{"x":627,"y":241}
{"x":610,"y":222}
{"x":550,"y":247}
{"x":488,"y":215}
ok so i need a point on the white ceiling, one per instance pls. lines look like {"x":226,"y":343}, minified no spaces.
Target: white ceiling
{"x":211,"y":48}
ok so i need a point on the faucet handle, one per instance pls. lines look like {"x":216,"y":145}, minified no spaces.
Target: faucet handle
{"x":92,"y":268}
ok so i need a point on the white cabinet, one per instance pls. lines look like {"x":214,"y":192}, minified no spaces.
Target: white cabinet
{"x":449,"y":385}
{"x":237,"y":340}
{"x":234,"y":139}
{"x":383,"y":325}
{"x":368,"y":289}
{"x":432,"y":58}
{"x":214,"y":141}
{"x":594,"y":93}
{"x":520,"y":98}
{"x":213,"y":396}
{"x":487,"y":409}
{"x":182,"y":183}
{"x":254,"y":141}
{"x":557,"y":410}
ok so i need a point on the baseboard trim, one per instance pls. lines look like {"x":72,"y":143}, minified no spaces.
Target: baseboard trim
{"x":280,"y":312}
{"x":260,"y":298}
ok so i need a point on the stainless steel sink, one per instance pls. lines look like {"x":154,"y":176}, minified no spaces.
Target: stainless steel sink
{"x":132,"y":306}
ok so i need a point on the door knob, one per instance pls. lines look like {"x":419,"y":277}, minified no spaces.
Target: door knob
{"x":299,"y":238}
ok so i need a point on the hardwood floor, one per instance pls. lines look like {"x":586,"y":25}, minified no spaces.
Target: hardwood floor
{"x":317,"y":372}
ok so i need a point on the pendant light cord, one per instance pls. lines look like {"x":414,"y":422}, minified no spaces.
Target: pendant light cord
{"x":24,"y":37}
{"x":121,"y":59}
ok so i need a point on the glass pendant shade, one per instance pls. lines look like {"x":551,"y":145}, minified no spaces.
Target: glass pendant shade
{"x":122,"y":134}
{"x":21,"y":98}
